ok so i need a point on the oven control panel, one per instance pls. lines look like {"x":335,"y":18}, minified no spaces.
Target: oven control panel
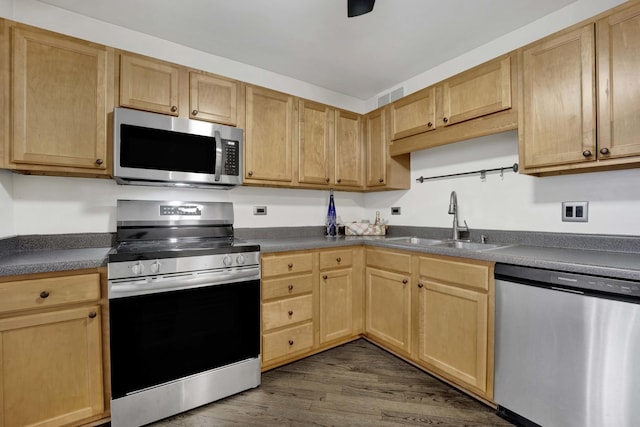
{"x":150,"y":267}
{"x":183,"y":210}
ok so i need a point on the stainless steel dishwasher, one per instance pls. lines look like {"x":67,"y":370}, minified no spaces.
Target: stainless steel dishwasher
{"x":567,"y":349}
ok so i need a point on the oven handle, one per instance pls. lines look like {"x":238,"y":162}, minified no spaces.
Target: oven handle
{"x":152,"y":285}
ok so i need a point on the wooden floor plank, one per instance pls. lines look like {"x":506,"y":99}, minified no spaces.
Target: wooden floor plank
{"x":356,"y":384}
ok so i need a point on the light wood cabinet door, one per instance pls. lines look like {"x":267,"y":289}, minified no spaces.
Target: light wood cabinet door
{"x":452,"y":332}
{"x":336,"y":305}
{"x":478,"y":92}
{"x":148,"y":84}
{"x":388,"y":308}
{"x":59,"y":102}
{"x":213,"y":99}
{"x":376,"y":147}
{"x":618,"y":84}
{"x":348,"y":149}
{"x":414,"y":114}
{"x":315,"y":142}
{"x":51,"y":368}
{"x":557,"y":110}
{"x":269,"y":136}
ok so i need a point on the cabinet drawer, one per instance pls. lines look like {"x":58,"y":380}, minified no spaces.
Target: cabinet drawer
{"x":288,"y":286}
{"x":287,"y":342}
{"x":286,"y":264}
{"x":389,"y":260}
{"x":334,"y":259}
{"x":48,"y":292}
{"x":286,"y":312}
{"x":452,"y":271}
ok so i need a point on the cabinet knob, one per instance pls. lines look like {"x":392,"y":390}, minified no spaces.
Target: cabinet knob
{"x":290,"y":312}
{"x":290,"y":287}
{"x":290,"y":265}
{"x":338,"y":259}
{"x":250,"y":173}
{"x":99,"y":162}
{"x":338,"y":180}
{"x":194,"y":112}
{"x":604,"y":151}
{"x":325,"y":277}
{"x":405,"y":281}
{"x":586,"y":153}
{"x":44,"y":294}
{"x":381,"y":180}
{"x":444,"y":119}
{"x":92,"y":315}
{"x":290,"y":342}
{"x":174,"y":108}
{"x":326,"y":180}
{"x":420,"y":285}
{"x":429,"y":124}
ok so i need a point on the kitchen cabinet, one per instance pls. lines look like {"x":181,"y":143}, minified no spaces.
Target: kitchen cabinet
{"x":348,"y":150}
{"x":315,"y":143}
{"x":162,"y":87}
{"x":61,"y":92}
{"x":579,"y":103}
{"x":454,"y":331}
{"x":383,"y":171}
{"x":51,"y":351}
{"x":287,"y":307}
{"x":340,"y":294}
{"x":388,"y":299}
{"x":269,"y":136}
{"x":474,"y":103}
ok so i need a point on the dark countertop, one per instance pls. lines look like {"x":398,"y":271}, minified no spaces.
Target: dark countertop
{"x":622,"y":265}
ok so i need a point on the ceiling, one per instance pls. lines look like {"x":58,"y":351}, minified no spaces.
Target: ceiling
{"x":314,"y":41}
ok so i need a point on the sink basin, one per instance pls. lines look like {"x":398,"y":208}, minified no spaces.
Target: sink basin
{"x":470,"y":246}
{"x":419,"y":241}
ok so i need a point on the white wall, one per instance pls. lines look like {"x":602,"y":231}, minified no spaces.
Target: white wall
{"x":6,"y":204}
{"x":54,"y":205}
{"x":514,"y":202}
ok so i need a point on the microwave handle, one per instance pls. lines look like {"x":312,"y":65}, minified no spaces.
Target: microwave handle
{"x":218,"y":139}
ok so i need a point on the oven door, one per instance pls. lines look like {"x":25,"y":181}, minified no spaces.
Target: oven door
{"x":162,"y":337}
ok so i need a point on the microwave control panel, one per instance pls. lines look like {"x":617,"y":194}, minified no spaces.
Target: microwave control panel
{"x":231,"y":157}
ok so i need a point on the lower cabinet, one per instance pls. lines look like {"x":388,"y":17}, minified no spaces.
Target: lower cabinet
{"x":311,"y":301}
{"x":51,"y":366}
{"x":388,"y":299}
{"x":454,"y":333}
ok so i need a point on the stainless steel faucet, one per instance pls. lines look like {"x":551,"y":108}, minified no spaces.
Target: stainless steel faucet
{"x":453,"y":210}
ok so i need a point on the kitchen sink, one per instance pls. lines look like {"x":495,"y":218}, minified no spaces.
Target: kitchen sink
{"x":418,"y":241}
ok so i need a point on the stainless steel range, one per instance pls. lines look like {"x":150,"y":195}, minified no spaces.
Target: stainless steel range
{"x":184,"y":307}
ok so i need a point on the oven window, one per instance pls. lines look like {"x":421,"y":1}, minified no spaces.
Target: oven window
{"x":146,"y":148}
{"x":163,"y":337}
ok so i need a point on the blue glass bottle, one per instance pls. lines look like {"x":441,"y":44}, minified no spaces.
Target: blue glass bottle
{"x":332,"y":228}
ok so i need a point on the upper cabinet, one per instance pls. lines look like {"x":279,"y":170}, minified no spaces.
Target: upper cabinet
{"x":60,"y":94}
{"x":161,"y":87}
{"x":348,"y":150}
{"x":315,"y":143}
{"x":383,"y":171}
{"x":579,"y":103}
{"x":269,"y":135}
{"x":474,"y":103}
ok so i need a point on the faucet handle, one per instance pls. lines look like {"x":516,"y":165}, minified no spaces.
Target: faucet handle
{"x":466,"y":226}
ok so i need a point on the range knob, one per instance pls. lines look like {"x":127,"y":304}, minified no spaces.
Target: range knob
{"x":227,"y":261}
{"x":137,"y":268}
{"x":155,"y":267}
{"x":240,"y":259}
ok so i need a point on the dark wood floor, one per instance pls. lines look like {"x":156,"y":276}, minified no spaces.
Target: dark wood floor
{"x":357,"y":384}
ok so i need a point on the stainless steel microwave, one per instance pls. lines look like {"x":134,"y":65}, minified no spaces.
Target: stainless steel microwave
{"x":159,"y":150}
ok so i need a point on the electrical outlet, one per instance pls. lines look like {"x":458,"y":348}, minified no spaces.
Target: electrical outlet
{"x":395,"y":210}
{"x":259,"y":210}
{"x":575,"y":211}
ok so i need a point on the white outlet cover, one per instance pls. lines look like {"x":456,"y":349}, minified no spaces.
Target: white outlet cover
{"x":575,"y":211}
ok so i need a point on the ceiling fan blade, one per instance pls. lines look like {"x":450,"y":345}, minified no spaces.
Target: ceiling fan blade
{"x":359,"y":7}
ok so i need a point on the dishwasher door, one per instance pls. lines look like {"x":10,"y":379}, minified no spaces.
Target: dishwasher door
{"x":566,"y":359}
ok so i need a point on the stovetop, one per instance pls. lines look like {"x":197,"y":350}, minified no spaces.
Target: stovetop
{"x":154,"y":249}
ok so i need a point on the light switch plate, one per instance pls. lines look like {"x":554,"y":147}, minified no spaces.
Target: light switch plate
{"x":395,"y":210}
{"x":575,"y":211}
